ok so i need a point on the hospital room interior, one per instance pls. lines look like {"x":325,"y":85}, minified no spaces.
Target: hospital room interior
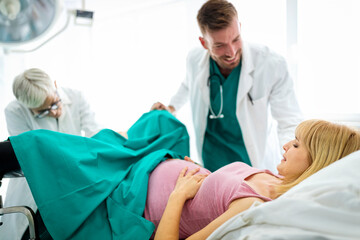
{"x":126,"y":55}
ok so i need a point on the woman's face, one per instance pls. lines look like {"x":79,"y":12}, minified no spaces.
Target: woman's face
{"x":296,"y":159}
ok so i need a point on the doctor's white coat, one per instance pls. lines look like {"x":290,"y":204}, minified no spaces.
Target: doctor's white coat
{"x":76,"y":117}
{"x":265,"y":77}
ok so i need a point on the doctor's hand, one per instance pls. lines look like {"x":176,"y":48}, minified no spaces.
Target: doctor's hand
{"x":124,"y":134}
{"x":188,"y":184}
{"x":160,"y":106}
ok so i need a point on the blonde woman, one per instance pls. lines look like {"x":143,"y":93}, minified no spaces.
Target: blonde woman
{"x":197,"y":198}
{"x":174,"y":199}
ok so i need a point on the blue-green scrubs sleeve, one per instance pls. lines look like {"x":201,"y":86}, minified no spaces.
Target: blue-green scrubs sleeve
{"x":96,"y":188}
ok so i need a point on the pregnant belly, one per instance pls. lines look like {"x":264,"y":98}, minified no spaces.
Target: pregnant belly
{"x":161,"y":183}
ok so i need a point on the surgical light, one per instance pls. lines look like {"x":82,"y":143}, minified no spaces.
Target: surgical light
{"x":22,"y":21}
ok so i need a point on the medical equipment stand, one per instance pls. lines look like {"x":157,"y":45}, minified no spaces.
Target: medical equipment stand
{"x":28,"y":212}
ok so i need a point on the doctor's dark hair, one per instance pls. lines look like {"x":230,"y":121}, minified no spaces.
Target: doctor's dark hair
{"x":326,"y":143}
{"x":216,"y":15}
{"x":32,"y":87}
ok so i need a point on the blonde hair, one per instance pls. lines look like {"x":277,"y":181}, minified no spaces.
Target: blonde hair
{"x":32,"y":87}
{"x":326,"y":143}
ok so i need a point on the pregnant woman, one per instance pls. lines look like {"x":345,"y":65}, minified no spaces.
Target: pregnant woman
{"x":112,"y":187}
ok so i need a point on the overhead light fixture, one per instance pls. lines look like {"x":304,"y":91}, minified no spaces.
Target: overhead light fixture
{"x":22,"y":21}
{"x":25,"y":21}
{"x":83,"y":17}
{"x":10,"y":8}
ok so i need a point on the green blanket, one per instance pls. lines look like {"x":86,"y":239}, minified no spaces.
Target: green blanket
{"x":95,"y":188}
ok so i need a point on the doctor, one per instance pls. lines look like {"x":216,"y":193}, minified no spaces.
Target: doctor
{"x":40,"y":104}
{"x":236,"y":89}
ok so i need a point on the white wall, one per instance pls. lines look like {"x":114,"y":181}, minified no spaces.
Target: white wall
{"x":134,"y":53}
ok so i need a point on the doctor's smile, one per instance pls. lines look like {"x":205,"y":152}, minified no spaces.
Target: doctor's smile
{"x":234,"y":61}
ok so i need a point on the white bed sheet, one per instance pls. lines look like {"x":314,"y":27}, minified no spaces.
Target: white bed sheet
{"x":324,"y":206}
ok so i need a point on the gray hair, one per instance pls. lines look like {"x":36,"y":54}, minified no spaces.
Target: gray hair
{"x":32,"y":87}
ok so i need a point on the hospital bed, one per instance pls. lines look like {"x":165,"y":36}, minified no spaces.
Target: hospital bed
{"x":324,"y":206}
{"x":27,"y":211}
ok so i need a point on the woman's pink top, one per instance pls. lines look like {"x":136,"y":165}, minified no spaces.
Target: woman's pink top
{"x":216,"y":193}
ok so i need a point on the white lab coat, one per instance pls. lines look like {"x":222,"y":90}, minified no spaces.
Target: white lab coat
{"x":264,"y":75}
{"x":75,"y":118}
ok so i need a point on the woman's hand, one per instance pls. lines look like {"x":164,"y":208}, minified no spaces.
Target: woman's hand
{"x":188,"y":184}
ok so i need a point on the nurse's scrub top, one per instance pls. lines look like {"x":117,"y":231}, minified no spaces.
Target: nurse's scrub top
{"x":223,"y":142}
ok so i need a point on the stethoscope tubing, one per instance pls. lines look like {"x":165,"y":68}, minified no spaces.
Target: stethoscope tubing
{"x":220,"y":114}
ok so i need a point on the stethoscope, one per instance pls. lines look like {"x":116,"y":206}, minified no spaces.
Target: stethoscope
{"x":220,"y":114}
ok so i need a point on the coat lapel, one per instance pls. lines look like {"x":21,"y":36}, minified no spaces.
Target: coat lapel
{"x":246,"y":78}
{"x":203,"y":75}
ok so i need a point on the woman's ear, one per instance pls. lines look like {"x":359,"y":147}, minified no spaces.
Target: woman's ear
{"x":55,"y":84}
{"x":203,"y":42}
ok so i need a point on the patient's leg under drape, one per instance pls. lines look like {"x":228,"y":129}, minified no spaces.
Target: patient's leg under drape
{"x":95,"y":188}
{"x":8,"y":161}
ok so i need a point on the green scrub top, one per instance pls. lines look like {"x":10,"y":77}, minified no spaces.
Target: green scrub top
{"x":223,"y":142}
{"x":96,"y":188}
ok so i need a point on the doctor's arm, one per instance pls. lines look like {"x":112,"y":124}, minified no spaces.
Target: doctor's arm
{"x":284,"y":105}
{"x":176,"y":102}
{"x":180,"y":97}
{"x":16,"y":122}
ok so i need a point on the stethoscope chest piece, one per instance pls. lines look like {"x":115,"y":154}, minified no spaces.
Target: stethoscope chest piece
{"x":212,"y":116}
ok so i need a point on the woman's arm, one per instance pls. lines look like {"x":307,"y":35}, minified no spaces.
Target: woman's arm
{"x":186,"y":187}
{"x":237,"y":206}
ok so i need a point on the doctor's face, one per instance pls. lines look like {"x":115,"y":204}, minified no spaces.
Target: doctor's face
{"x":296,"y":159}
{"x":225,"y":46}
{"x":52,"y":107}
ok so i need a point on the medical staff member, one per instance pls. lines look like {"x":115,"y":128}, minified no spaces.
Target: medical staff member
{"x":40,"y":104}
{"x":236,"y":90}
